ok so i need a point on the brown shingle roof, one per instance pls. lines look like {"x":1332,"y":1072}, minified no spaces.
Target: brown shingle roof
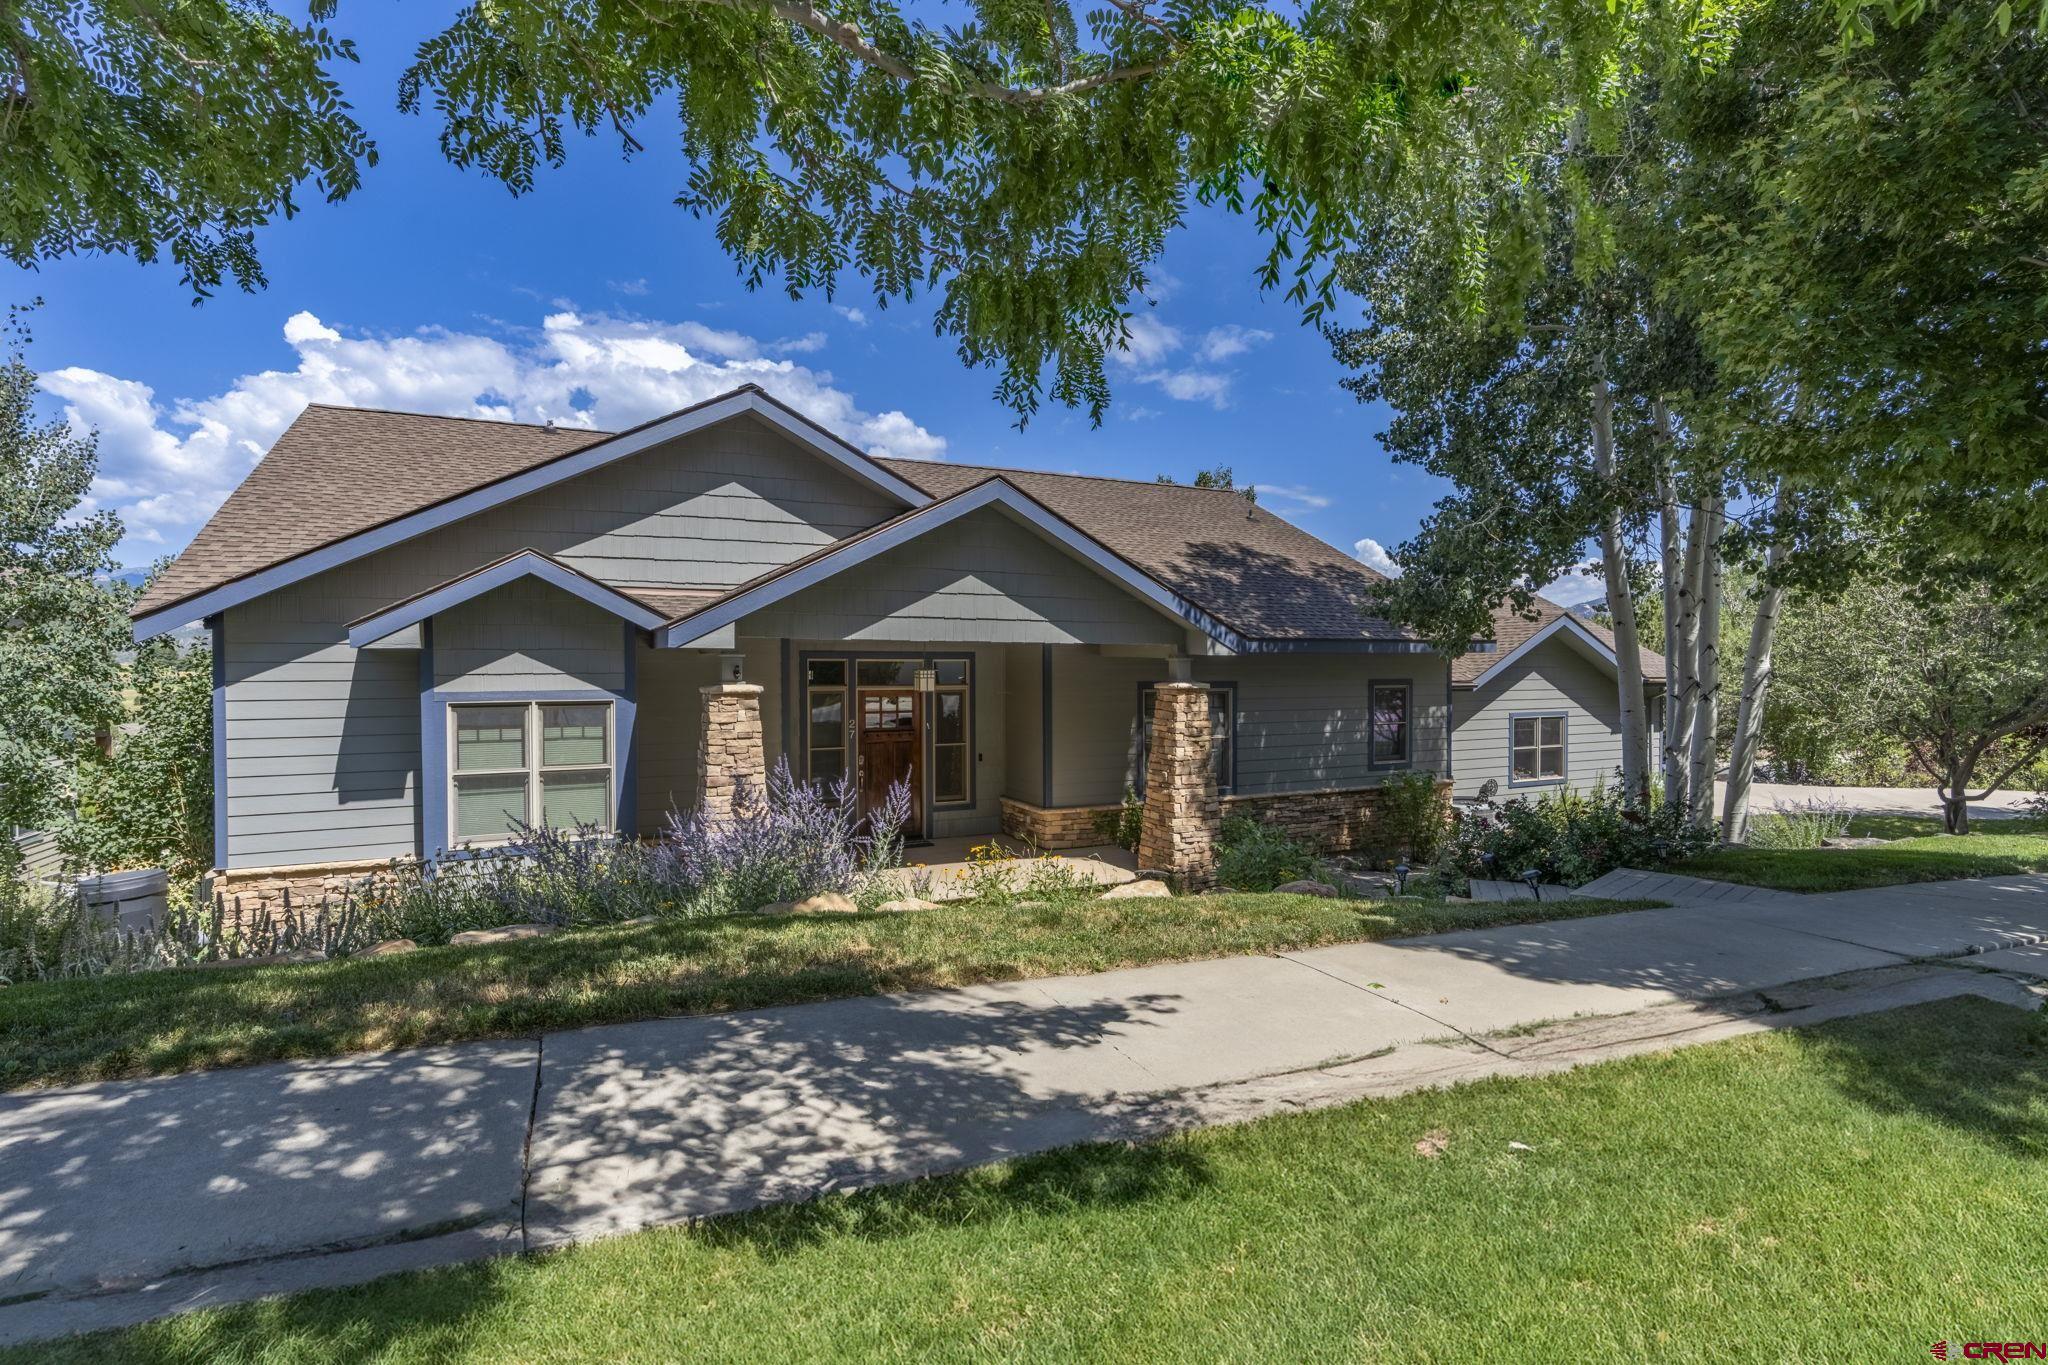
{"x":1511,"y":629}
{"x":1247,"y":567}
{"x":336,"y":472}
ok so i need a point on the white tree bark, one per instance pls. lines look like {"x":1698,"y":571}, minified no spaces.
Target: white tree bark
{"x":1707,"y":688}
{"x":1621,"y":605}
{"x":1686,"y":683}
{"x":1756,"y":686}
{"x":1677,"y":597}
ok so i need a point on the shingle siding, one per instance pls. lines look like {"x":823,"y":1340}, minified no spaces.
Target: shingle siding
{"x":981,"y":578}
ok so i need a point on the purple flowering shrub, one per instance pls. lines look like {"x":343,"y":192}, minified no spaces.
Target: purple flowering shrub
{"x":793,"y":839}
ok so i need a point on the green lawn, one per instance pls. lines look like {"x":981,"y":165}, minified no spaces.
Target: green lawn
{"x":159,"y":1022}
{"x":1852,"y":1192}
{"x":1930,"y":858}
{"x":1914,"y":826}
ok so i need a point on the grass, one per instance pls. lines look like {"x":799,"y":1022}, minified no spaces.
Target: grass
{"x":1917,"y":826}
{"x":156,"y":1023}
{"x":1929,"y":858}
{"x":1851,"y":1192}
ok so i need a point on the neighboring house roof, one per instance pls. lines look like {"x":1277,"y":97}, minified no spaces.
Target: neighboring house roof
{"x":1514,"y":633}
{"x":346,"y":480}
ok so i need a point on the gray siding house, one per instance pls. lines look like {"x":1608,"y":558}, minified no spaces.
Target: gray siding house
{"x":426,"y":630}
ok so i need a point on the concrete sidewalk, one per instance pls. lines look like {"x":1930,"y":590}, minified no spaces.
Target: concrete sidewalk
{"x":128,"y":1200}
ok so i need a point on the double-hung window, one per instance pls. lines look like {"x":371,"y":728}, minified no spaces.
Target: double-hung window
{"x":951,"y":731}
{"x":1222,"y":734}
{"x":1391,"y":705}
{"x":537,"y":764}
{"x":1536,"y":748}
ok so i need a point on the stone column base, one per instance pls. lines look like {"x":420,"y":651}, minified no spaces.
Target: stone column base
{"x":730,"y":756}
{"x":1178,"y":836}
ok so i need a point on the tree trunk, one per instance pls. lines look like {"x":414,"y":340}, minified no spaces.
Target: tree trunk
{"x":1756,"y":686}
{"x":1707,"y":691}
{"x":1678,"y":739}
{"x":1621,"y":606}
{"x":1671,"y":545}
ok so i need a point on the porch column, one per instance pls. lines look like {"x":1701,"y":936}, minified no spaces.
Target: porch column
{"x":729,"y":752}
{"x":1178,"y":834}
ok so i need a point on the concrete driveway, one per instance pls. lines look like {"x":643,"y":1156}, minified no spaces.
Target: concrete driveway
{"x":127,"y":1200}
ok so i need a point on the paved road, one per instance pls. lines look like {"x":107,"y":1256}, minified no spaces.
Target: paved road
{"x":128,"y":1199}
{"x":1764,"y":797}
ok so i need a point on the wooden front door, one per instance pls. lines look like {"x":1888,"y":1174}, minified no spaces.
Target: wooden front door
{"x":891,"y":751}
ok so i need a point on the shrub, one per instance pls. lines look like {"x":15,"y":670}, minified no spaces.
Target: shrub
{"x":1413,"y":813}
{"x":1799,"y":824}
{"x":1124,"y":825}
{"x":1255,"y":857}
{"x":1565,"y":837}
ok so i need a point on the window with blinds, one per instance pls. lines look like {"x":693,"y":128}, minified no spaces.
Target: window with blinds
{"x":533,"y":764}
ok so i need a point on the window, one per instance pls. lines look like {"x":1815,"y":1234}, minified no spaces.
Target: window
{"x":539,"y":764}
{"x":1222,"y":734}
{"x":1390,"y":723}
{"x":825,"y":731}
{"x":952,"y":732}
{"x":1536,"y":749}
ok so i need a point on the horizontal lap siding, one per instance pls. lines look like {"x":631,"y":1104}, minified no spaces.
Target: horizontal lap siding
{"x":1551,"y":677}
{"x":982,"y":578}
{"x":666,"y":731}
{"x":1301,"y":720}
{"x":323,"y":740}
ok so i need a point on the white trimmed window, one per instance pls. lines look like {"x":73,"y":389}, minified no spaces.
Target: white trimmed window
{"x":1536,"y":748}
{"x":540,"y":764}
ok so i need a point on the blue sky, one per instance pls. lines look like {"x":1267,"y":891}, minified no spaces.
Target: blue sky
{"x":596,"y":300}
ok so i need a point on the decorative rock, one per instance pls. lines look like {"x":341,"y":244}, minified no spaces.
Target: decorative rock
{"x":824,"y":903}
{"x":639,"y":920}
{"x":1847,"y":842}
{"x":1144,"y":888}
{"x":906,"y":904}
{"x":1305,"y":888}
{"x":388,"y":947}
{"x":508,"y":933}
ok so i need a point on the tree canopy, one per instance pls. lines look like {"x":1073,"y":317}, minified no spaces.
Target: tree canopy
{"x":176,"y":129}
{"x":61,"y":619}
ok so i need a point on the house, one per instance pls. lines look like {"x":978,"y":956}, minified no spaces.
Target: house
{"x":1540,"y":710}
{"x":425,"y":629}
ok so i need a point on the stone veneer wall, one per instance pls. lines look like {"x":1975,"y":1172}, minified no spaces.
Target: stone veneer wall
{"x":1341,"y":821}
{"x":1345,"y":821}
{"x":1056,"y":827}
{"x":255,"y":888}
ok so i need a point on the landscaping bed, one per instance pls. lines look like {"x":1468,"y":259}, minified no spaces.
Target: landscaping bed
{"x":154,"y":1023}
{"x":1854,"y":1191}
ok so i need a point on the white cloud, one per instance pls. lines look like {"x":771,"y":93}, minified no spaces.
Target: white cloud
{"x":1374,"y":555}
{"x":803,"y":345}
{"x":166,"y":464}
{"x":1576,"y":586}
{"x":634,"y":288}
{"x":1221,"y":343}
{"x":1292,"y":495}
{"x":852,"y":315}
{"x":1150,"y":343}
{"x":1137,"y":413}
